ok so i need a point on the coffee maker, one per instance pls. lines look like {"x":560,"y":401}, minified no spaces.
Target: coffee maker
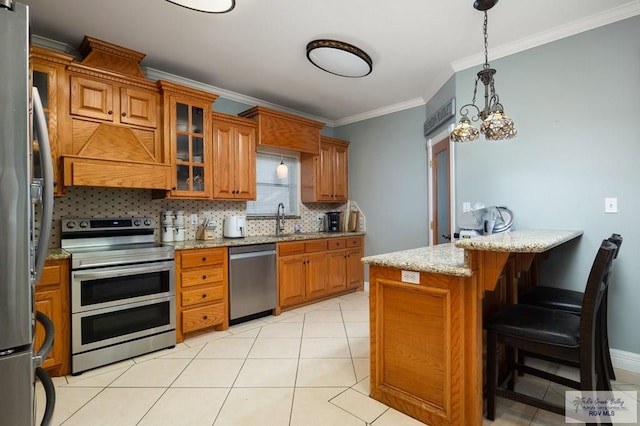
{"x":333,"y":222}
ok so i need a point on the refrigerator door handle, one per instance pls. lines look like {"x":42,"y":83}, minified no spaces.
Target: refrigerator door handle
{"x":49,"y":332}
{"x":40,"y":125}
{"x":50,"y":393}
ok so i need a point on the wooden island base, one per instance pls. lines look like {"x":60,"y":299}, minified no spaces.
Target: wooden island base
{"x":426,"y":347}
{"x":426,"y":330}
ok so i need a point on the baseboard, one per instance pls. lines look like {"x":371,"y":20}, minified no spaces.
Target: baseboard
{"x":628,"y":361}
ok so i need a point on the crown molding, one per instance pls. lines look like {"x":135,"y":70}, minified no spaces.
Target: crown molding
{"x":58,"y":46}
{"x":594,"y":21}
{"x":154,"y":74}
{"x":401,"y":106}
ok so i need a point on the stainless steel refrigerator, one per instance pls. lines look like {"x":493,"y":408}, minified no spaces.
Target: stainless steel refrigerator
{"x":22,"y":246}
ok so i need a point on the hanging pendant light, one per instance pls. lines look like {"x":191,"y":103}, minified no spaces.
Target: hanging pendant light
{"x":282,"y":171}
{"x":495,"y":123}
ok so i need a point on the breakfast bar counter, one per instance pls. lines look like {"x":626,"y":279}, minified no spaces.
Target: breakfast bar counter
{"x":426,"y":310}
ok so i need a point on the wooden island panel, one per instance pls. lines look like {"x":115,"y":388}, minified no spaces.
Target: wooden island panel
{"x":425,"y":346}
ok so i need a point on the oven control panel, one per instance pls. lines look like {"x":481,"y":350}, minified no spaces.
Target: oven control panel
{"x":106,"y":224}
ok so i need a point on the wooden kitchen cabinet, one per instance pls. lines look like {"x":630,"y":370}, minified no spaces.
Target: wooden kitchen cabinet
{"x":324,"y":177}
{"x":112,"y":121}
{"x":95,"y":98}
{"x":47,"y":74}
{"x":285,"y":131}
{"x":234,"y":158}
{"x":52,"y":299}
{"x":188,"y":135}
{"x":315,"y":269}
{"x":201,"y":290}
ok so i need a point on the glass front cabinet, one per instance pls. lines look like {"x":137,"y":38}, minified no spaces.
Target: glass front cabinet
{"x":47,"y":74}
{"x":187,"y":127}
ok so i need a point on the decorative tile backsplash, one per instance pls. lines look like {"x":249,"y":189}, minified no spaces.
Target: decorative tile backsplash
{"x":110,"y":202}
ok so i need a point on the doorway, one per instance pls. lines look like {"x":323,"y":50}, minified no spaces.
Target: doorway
{"x":441,"y":188}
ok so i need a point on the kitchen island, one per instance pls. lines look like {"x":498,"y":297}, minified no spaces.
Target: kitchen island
{"x":426,"y":310}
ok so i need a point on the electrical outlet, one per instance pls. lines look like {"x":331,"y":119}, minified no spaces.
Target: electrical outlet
{"x":412,"y":277}
{"x":194,"y":218}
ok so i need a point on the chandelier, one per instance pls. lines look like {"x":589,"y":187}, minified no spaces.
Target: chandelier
{"x":495,"y":124}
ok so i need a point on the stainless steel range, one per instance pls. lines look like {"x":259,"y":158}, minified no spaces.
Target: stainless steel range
{"x":122,"y":290}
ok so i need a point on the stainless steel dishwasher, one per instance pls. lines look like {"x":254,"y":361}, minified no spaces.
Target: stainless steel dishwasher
{"x":252,"y":282}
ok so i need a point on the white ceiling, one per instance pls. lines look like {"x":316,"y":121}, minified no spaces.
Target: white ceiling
{"x":258,"y":49}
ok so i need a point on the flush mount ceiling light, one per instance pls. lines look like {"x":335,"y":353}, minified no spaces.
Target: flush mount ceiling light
{"x":339,"y":58}
{"x":207,"y":6}
{"x":495,"y":124}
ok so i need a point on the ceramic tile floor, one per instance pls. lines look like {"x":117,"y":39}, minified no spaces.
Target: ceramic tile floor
{"x":306,"y":367}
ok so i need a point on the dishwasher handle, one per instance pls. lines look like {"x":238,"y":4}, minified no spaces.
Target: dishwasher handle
{"x":252,"y":254}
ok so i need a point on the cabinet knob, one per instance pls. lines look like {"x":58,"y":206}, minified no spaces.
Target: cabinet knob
{"x":205,"y":317}
{"x":204,"y":296}
{"x":204,"y":277}
{"x":124,"y":114}
{"x":173,"y":188}
{"x":204,"y":258}
{"x":109,"y":112}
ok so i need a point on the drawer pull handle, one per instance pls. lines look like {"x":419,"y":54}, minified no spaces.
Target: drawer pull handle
{"x":204,"y":295}
{"x":204,"y":277}
{"x":205,"y":317}
{"x":204,"y":258}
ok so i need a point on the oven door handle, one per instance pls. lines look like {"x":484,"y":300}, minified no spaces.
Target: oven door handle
{"x":121,"y":271}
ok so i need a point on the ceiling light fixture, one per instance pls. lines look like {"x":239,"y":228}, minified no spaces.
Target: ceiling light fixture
{"x":207,"y":6}
{"x":339,"y":58}
{"x":495,"y":124}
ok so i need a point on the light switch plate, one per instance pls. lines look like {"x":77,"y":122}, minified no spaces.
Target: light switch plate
{"x":412,"y":277}
{"x":194,"y":218}
{"x":611,"y":205}
{"x":466,"y":207}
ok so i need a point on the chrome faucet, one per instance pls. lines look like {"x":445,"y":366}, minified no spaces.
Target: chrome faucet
{"x":280,"y":219}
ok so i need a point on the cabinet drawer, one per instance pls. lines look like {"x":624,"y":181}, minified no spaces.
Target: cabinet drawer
{"x":315,"y":245}
{"x":336,"y":243}
{"x":50,"y":275}
{"x":194,"y":258}
{"x":209,"y":293}
{"x":286,"y":249}
{"x":202,"y":276}
{"x":354,"y":242}
{"x":206,"y":316}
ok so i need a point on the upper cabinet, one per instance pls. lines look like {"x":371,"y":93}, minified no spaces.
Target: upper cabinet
{"x":112,"y":125}
{"x":324,"y":177}
{"x":188,"y":139}
{"x":48,"y":75}
{"x":285,"y":131}
{"x":234,"y":158}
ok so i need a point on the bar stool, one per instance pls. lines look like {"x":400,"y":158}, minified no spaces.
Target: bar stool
{"x":552,"y":333}
{"x":571,"y":301}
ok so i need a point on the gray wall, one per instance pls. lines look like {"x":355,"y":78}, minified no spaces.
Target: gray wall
{"x":388,"y":179}
{"x":575,"y":104}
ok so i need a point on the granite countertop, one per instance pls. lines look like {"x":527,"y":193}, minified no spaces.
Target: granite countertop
{"x":450,"y":259}
{"x":442,"y":259}
{"x":524,"y":241}
{"x":260,"y":239}
{"x":57,"y":254}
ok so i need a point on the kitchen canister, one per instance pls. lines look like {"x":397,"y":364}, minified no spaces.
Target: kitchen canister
{"x":179,"y":233}
{"x":167,"y":233}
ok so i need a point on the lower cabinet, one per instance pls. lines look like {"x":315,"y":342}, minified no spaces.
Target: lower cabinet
{"x":52,"y":299}
{"x":201,"y":290}
{"x":314,"y":269}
